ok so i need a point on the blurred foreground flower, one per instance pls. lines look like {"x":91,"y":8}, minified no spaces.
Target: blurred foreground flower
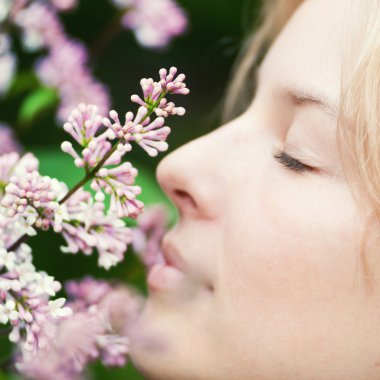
{"x":97,"y":330}
{"x":8,"y":142}
{"x":147,"y":237}
{"x":145,"y":18}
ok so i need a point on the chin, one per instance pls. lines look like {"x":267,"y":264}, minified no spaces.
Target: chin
{"x":150,"y":349}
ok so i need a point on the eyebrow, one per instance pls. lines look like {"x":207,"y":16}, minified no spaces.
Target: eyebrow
{"x":303,"y":98}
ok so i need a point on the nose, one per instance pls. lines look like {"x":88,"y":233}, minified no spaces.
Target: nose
{"x":191,"y":178}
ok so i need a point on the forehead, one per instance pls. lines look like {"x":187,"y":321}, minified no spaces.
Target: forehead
{"x":308,"y":53}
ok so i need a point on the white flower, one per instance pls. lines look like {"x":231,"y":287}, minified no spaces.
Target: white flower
{"x":4,"y":285}
{"x":8,"y":312}
{"x":26,"y":273}
{"x":108,"y":260}
{"x":5,"y":6}
{"x":60,"y":215}
{"x":26,"y":221}
{"x":46,"y":284}
{"x":7,"y":259}
{"x":57,"y":310}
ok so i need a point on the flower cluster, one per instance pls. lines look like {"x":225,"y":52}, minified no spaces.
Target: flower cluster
{"x":7,"y":140}
{"x":98,"y":329}
{"x":33,"y":201}
{"x":89,"y":226}
{"x":7,"y":62}
{"x":66,"y":65}
{"x":24,"y":299}
{"x":147,"y":236}
{"x":145,"y":18}
{"x":93,"y":325}
{"x":64,"y":5}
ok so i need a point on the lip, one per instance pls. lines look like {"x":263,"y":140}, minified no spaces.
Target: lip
{"x":171,"y":273}
{"x":171,"y":255}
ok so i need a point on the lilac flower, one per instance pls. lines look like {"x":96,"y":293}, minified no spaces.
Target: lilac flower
{"x":40,"y":26}
{"x":87,"y":291}
{"x":151,"y":136}
{"x":8,"y":142}
{"x":65,"y":68}
{"x":154,"y":93}
{"x":64,"y":5}
{"x":66,"y":65}
{"x":88,"y":227}
{"x":66,"y":356}
{"x":35,"y":198}
{"x":97,"y":330}
{"x":145,"y":17}
{"x":8,"y":312}
{"x":8,"y":163}
{"x":119,"y":182}
{"x":148,"y":234}
{"x":7,"y":62}
{"x":12,"y":166}
{"x":85,"y":126}
{"x":24,"y":298}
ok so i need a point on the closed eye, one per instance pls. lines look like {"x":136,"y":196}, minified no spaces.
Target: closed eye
{"x":292,"y":163}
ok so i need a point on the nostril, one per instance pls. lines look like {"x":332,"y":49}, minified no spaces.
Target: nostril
{"x":184,"y":198}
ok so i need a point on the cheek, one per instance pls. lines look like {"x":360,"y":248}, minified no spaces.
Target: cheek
{"x":291,"y":254}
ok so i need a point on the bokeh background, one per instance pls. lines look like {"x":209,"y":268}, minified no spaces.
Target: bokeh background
{"x":205,"y":53}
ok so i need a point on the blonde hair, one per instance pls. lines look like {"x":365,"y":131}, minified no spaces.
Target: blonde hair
{"x":358,"y":131}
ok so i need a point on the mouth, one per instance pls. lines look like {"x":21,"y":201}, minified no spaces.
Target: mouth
{"x":169,"y":274}
{"x":171,"y":255}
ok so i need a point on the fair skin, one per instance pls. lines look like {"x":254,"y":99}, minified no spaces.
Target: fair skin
{"x":274,"y":286}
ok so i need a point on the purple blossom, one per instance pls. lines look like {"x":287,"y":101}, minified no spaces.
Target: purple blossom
{"x":97,"y":330}
{"x":8,"y":142}
{"x":73,"y":347}
{"x":24,"y":299}
{"x":145,"y":18}
{"x":66,"y":65}
{"x":154,"y":93}
{"x":151,"y":136}
{"x":148,"y":234}
{"x":64,"y":5}
{"x":88,"y":227}
{"x":119,"y":183}
{"x":85,"y":126}
{"x":65,"y":68}
{"x":35,"y":198}
{"x":8,"y":162}
{"x":12,"y":165}
{"x":7,"y":62}
{"x":52,"y":342}
{"x":40,"y":26}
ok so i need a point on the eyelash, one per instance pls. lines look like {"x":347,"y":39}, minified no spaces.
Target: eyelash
{"x":292,"y":163}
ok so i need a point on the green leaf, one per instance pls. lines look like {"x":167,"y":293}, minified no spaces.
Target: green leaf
{"x":37,"y":102}
{"x":23,"y":82}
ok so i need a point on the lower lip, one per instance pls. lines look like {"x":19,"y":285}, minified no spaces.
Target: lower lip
{"x":163,"y":276}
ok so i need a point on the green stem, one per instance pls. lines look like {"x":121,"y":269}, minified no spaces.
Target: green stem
{"x":89,"y":176}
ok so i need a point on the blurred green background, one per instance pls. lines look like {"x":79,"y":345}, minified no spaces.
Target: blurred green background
{"x":205,"y":54}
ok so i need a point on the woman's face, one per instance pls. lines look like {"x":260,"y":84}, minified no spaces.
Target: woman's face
{"x":274,"y":285}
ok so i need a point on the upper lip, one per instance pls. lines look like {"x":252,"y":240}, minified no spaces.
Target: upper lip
{"x":171,"y":254}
